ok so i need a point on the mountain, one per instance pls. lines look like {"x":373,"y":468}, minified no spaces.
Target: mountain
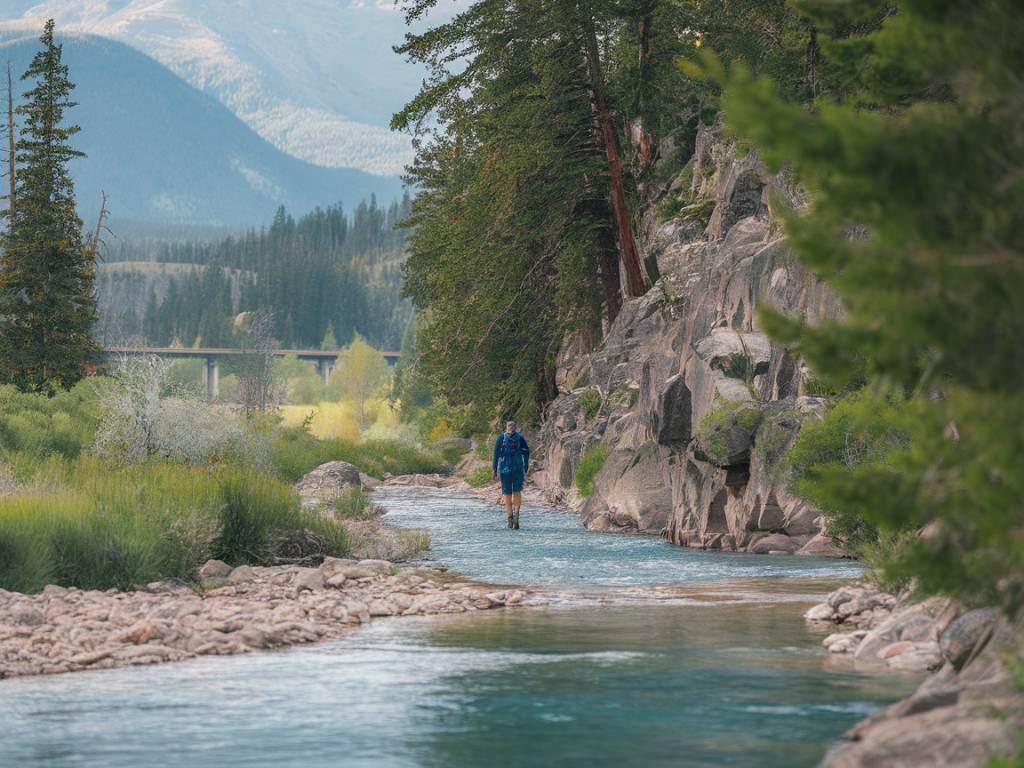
{"x":317,"y":78}
{"x":167,"y":154}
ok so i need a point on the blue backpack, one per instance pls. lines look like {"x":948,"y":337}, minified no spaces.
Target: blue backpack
{"x":510,"y":449}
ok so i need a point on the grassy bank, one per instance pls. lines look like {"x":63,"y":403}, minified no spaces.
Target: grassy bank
{"x":81,"y":523}
{"x":208,"y":485}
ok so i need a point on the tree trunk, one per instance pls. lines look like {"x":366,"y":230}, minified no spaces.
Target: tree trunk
{"x":11,"y":144}
{"x":643,"y":51}
{"x":608,"y":264}
{"x":636,"y":282}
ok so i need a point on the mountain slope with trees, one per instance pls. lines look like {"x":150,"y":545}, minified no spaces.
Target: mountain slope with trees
{"x":326,"y":276}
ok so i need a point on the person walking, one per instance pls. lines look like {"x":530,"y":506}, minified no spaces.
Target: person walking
{"x":511,"y":460}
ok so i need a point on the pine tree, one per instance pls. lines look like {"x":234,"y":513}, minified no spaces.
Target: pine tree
{"x":917,"y":223}
{"x":47,"y":301}
{"x":329,"y":343}
{"x":523,"y":205}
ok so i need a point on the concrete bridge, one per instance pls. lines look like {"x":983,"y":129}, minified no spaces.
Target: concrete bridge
{"x":324,"y":360}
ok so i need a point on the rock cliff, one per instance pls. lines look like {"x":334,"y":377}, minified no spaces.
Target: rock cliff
{"x":695,"y":404}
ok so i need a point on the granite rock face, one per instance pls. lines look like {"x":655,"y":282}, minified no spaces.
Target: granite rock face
{"x":697,"y":405}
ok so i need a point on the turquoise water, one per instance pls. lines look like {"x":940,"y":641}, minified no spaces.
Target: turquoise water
{"x":554,"y":549}
{"x":575,"y":683}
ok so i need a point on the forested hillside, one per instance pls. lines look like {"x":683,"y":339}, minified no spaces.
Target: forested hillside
{"x":327,"y":270}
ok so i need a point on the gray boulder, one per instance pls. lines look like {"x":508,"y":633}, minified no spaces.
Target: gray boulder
{"x":328,"y":481}
{"x":965,"y":634}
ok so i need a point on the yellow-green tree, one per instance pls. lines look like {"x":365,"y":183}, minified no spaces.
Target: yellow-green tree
{"x":360,"y":372}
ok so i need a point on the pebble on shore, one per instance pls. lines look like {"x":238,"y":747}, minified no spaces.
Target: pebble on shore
{"x":242,"y":609}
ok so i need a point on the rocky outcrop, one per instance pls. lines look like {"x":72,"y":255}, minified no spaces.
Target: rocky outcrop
{"x":253,"y":608}
{"x":968,"y":711}
{"x":695,"y":404}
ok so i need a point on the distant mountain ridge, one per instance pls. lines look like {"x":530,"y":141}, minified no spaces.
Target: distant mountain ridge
{"x":317,"y":78}
{"x":167,"y":154}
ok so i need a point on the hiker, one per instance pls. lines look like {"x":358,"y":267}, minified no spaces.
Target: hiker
{"x":511,"y":460}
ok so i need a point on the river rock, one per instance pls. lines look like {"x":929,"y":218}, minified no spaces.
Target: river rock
{"x":212,"y":569}
{"x":911,"y":657}
{"x":964,"y":635}
{"x":337,"y":581}
{"x":357,"y":572}
{"x":329,"y":481}
{"x":379,"y":567}
{"x":28,"y":617}
{"x":308,"y":579}
{"x":774,"y":542}
{"x":843,"y":642}
{"x":820,"y":612}
{"x":241,"y":574}
{"x":820,"y":545}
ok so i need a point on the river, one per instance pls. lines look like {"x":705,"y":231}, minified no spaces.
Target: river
{"x":644,"y":654}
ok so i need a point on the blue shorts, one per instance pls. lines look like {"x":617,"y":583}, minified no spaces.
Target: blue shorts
{"x":512,"y":482}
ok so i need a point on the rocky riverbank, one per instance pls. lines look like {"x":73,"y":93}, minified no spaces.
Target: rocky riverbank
{"x":240,"y":610}
{"x":968,"y":710}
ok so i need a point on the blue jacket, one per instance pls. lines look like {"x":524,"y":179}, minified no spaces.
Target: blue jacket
{"x":511,"y":452}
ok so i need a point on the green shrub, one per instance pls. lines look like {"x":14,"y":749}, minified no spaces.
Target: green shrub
{"x":713,"y":430}
{"x":820,"y":387}
{"x":355,"y":504}
{"x":62,"y":425}
{"x":590,"y":401}
{"x":97,"y":528}
{"x":480,"y":477}
{"x":773,"y":438}
{"x":451,"y":449}
{"x":590,"y":464}
{"x":880,"y":552}
{"x":858,"y":431}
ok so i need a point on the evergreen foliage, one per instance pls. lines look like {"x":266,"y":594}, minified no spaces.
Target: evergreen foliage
{"x":47,"y":302}
{"x":917,"y":223}
{"x":517,"y":227}
{"x":326,"y":271}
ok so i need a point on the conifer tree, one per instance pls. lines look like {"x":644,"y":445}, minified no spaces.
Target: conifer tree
{"x":329,"y":343}
{"x":917,"y":222}
{"x":47,"y":301}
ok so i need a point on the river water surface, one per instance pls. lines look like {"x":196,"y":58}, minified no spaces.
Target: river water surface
{"x":637,"y":663}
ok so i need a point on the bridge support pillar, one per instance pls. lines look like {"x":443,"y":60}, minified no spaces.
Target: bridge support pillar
{"x":325,"y":368}
{"x":211,"y":377}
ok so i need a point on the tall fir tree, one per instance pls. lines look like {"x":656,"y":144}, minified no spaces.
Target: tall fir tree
{"x":47,"y":298}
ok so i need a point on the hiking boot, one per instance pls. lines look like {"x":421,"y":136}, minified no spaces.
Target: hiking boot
{"x":516,"y":521}
{"x":510,"y":522}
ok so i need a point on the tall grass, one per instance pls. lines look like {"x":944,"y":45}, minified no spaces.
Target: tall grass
{"x":84,"y":524}
{"x":355,"y":504}
{"x":294,"y":452}
{"x":63,"y":425}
